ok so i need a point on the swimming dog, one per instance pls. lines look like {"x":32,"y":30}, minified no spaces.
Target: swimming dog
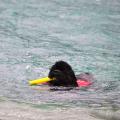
{"x":63,"y":75}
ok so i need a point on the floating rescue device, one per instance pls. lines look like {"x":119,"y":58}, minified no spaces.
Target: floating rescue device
{"x":39,"y":81}
{"x":83,"y":83}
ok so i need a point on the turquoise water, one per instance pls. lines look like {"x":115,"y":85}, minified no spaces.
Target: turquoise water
{"x":36,"y":33}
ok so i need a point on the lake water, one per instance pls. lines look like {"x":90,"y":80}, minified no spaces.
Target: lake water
{"x":36,"y":33}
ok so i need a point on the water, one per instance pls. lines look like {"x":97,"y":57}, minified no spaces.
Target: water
{"x":36,"y":33}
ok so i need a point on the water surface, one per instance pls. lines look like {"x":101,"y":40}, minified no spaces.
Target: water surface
{"x":36,"y":33}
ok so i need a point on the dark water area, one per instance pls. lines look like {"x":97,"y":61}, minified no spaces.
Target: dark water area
{"x":36,"y":33}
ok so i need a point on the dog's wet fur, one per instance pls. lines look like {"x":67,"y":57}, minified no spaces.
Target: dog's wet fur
{"x":62,"y":74}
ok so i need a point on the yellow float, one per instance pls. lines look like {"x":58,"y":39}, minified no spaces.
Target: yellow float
{"x":39,"y":81}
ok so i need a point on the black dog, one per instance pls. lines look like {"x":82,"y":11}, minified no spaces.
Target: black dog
{"x":63,"y":75}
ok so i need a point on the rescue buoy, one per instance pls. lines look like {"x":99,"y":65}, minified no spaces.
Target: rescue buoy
{"x":39,"y":81}
{"x":83,"y":83}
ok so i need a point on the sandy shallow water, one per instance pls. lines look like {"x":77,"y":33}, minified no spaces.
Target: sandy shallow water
{"x":20,"y":111}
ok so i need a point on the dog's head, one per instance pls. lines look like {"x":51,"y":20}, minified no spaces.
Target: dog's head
{"x":62,"y":74}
